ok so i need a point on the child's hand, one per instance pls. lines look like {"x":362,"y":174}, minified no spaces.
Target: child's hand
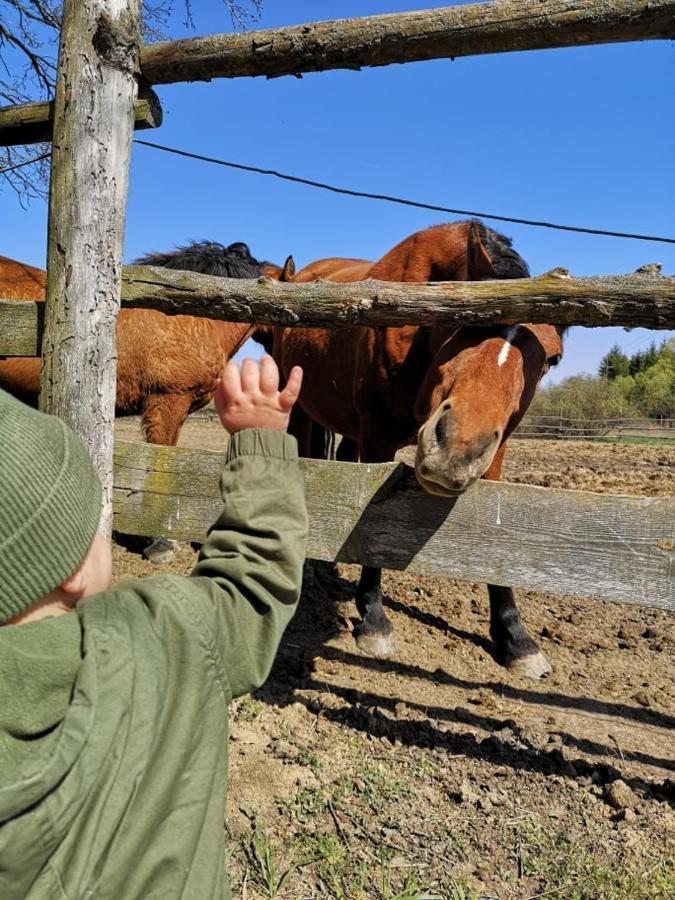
{"x":251,"y":398}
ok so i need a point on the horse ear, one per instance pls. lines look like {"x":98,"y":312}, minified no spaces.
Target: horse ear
{"x":551,"y":341}
{"x":288,"y":270}
{"x":478,"y":262}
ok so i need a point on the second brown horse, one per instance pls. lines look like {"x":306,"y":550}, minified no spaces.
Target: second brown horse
{"x":458,"y":393}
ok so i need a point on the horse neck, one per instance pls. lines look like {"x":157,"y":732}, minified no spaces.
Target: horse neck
{"x":438,"y":253}
{"x":231,"y":335}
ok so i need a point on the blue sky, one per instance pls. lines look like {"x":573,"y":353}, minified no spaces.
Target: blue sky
{"x":581,"y":136}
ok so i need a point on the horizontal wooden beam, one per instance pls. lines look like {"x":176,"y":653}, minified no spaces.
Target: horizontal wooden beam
{"x":555,"y":297}
{"x":21,"y":327}
{"x":564,"y":542}
{"x":639,"y":300}
{"x":463,"y":30}
{"x":31,"y":123}
{"x":444,"y":33}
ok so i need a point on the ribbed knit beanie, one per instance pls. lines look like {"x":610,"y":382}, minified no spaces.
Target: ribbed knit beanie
{"x":50,"y":504}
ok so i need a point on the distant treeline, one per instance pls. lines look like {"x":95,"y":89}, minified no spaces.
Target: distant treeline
{"x":641,"y":385}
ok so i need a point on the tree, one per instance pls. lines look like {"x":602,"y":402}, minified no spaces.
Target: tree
{"x":29,"y":31}
{"x":581,"y":396}
{"x":640,"y":362}
{"x":652,"y":389}
{"x":612,"y":365}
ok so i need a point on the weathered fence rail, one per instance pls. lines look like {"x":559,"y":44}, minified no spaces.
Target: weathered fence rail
{"x":448,"y":32}
{"x":566,"y":542}
{"x":32,"y":123}
{"x":443,"y":33}
{"x":556,"y":297}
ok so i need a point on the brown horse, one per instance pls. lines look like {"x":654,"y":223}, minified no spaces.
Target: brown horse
{"x":167,"y":366}
{"x":458,"y":392}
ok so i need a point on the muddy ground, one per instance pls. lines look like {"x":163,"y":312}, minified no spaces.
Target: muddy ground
{"x":439,"y":774}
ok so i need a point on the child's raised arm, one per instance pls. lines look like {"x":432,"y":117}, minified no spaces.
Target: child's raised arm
{"x":249,"y":571}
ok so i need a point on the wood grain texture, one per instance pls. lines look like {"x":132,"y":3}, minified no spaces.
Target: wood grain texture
{"x":565,"y":542}
{"x":21,"y":327}
{"x":447,"y":32}
{"x":32,"y":123}
{"x":96,"y":90}
{"x":647,"y":301}
{"x":555,"y":297}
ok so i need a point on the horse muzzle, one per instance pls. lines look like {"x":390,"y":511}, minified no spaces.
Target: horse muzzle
{"x":446,"y":466}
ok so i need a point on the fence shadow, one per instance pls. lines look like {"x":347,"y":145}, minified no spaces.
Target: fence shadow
{"x":369,"y":542}
{"x":367,"y":711}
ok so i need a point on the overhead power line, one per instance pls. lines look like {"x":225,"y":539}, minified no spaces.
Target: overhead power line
{"x":401,"y":200}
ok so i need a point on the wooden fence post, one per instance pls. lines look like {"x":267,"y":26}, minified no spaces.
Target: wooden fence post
{"x":96,"y":91}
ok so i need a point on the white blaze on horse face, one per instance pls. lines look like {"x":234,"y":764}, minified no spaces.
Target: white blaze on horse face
{"x":504,"y":352}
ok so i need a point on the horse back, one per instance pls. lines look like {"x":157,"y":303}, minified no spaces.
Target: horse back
{"x":19,"y":281}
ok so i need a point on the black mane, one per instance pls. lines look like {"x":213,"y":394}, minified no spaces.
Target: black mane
{"x":208,"y":258}
{"x":505,"y":261}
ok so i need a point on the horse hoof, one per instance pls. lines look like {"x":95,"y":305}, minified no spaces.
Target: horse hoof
{"x":161,"y":551}
{"x":381,"y":646}
{"x":534,"y":666}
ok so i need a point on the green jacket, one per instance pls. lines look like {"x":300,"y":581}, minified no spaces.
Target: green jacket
{"x":113,"y":721}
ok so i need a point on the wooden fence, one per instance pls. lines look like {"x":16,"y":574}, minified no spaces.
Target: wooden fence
{"x":566,"y":428}
{"x":619,"y":548}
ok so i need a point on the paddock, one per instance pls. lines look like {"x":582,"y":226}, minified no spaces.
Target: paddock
{"x":439,"y":766}
{"x":434,"y":774}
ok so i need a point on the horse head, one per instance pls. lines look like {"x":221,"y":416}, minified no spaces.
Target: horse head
{"x":480,"y":381}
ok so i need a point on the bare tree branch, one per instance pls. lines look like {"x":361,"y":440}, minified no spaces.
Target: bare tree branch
{"x":29,"y":31}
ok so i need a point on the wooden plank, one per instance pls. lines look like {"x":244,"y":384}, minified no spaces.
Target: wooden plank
{"x":21,"y":327}
{"x":565,"y":542}
{"x":32,"y":123}
{"x":647,"y":301}
{"x":462,"y":30}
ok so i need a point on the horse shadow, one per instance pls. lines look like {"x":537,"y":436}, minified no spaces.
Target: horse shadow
{"x":320,"y":619}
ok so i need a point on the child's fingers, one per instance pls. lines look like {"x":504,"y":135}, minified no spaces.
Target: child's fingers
{"x":230,"y":384}
{"x":292,"y":390}
{"x":269,"y":375}
{"x":250,"y":376}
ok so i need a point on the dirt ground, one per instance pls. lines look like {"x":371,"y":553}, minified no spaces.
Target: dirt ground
{"x":437,"y":774}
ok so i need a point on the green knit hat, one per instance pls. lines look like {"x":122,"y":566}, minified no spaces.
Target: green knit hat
{"x":50,"y":504}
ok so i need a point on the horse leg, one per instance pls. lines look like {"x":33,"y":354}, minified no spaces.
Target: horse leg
{"x":300,"y":426}
{"x":374,"y":632}
{"x":162,"y":417}
{"x":519,"y":652}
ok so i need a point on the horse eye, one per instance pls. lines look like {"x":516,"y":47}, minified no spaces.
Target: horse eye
{"x":553,"y":360}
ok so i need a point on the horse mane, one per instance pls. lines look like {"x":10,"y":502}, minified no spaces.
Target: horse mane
{"x":506,"y":262}
{"x":209,"y":258}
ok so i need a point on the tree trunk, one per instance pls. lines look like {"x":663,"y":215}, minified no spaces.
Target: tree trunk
{"x":96,"y":90}
{"x":463,"y":30}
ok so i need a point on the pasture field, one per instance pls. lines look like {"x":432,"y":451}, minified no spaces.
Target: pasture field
{"x":439,"y":774}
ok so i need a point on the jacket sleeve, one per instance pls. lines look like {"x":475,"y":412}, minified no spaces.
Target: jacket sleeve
{"x":246,"y":583}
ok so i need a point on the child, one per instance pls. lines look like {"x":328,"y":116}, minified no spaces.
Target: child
{"x":113,"y":717}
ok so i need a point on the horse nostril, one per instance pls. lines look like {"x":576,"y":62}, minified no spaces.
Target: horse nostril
{"x":497,"y":435}
{"x":439,"y":430}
